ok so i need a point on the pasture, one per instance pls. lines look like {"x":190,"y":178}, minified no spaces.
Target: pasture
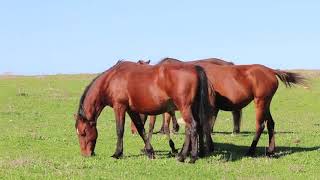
{"x":38,"y":138}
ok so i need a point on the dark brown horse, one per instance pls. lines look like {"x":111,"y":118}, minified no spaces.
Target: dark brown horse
{"x":236,"y":86}
{"x":165,"y":124}
{"x":145,"y":89}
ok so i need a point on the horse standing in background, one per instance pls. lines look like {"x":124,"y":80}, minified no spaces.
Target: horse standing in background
{"x":151,"y":90}
{"x":236,"y":86}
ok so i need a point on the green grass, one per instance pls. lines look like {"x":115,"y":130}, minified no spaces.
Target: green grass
{"x":38,"y":138}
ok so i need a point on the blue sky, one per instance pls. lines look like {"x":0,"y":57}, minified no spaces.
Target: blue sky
{"x":49,"y":37}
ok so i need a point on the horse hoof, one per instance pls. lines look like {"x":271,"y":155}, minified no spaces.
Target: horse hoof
{"x":151,"y":156}
{"x":180,"y":158}
{"x":174,"y":151}
{"x":235,"y":132}
{"x":117,"y":155}
{"x":170,"y":154}
{"x":192,"y":160}
{"x":270,"y":154}
{"x":175,"y":130}
{"x":161,"y":131}
{"x":149,"y":153}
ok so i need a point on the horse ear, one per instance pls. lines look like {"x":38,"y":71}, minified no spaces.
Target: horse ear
{"x":148,"y":62}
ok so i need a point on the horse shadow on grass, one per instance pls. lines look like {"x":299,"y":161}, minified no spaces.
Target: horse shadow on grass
{"x":250,"y":133}
{"x":160,"y":154}
{"x":231,"y":152}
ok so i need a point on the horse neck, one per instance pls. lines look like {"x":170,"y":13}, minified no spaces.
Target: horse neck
{"x":95,"y":101}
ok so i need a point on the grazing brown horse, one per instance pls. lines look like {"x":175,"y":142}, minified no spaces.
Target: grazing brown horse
{"x":237,"y":114}
{"x":145,"y":89}
{"x":236,"y":86}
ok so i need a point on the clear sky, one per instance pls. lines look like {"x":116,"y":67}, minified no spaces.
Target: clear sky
{"x":81,"y":36}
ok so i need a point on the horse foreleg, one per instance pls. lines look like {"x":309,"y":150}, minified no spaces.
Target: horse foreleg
{"x":140,"y":127}
{"x":152,"y":121}
{"x":119,"y":111}
{"x":237,"y":115}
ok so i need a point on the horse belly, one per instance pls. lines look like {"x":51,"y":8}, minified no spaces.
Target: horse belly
{"x":151,"y":103}
{"x":233,"y":101}
{"x":153,"y":108}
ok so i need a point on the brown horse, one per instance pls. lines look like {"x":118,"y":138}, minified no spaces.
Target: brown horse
{"x":237,"y":114}
{"x":145,"y":89}
{"x":236,"y":86}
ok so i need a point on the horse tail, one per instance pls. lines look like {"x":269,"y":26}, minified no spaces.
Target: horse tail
{"x":202,"y":110}
{"x":290,"y":78}
{"x":202,"y":96}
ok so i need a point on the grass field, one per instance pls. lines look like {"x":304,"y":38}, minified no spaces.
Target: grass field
{"x":38,"y":139}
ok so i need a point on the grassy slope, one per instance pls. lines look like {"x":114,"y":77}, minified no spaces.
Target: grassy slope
{"x":38,"y":138}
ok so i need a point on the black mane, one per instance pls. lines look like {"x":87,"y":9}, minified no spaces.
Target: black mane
{"x":83,"y":97}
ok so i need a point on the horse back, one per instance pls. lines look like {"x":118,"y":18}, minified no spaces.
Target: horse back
{"x":215,"y":61}
{"x":248,"y":80}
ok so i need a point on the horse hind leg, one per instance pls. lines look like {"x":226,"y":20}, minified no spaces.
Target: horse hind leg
{"x":140,"y":127}
{"x":237,"y":116}
{"x":133,"y":127}
{"x":190,"y":137}
{"x":261,"y":107}
{"x":206,"y":146}
{"x":270,"y":126}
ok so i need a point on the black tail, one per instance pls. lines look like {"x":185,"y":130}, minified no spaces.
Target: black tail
{"x":203,"y":104}
{"x":202,"y":111}
{"x":290,"y":78}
